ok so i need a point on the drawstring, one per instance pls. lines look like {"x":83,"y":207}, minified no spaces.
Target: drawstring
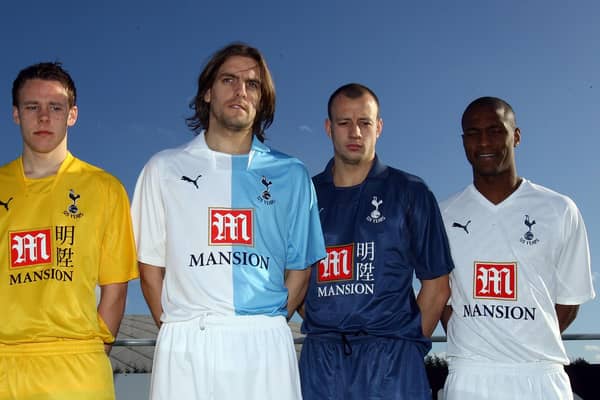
{"x":347,"y":345}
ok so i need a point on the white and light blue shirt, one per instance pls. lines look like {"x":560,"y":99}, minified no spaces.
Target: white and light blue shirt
{"x":225,"y":227}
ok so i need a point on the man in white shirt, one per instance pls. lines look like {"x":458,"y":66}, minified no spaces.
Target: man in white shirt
{"x":522,"y":268}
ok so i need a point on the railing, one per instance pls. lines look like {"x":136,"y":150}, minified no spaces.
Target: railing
{"x":300,"y":340}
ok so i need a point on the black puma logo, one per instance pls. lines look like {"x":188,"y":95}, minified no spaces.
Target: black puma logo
{"x":6,"y":204}
{"x":192,"y":181}
{"x":464,"y":227}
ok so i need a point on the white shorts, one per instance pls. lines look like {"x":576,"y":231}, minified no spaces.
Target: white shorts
{"x":471,"y":380}
{"x":226,"y":358}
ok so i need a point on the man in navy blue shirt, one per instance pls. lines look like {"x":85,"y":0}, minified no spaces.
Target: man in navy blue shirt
{"x":367,"y":334}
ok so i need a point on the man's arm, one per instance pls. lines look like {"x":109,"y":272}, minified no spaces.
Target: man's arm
{"x":432,"y":298}
{"x":446,"y":314}
{"x":566,"y":315}
{"x":296,"y":282}
{"x":111,"y":307}
{"x":151,"y":278}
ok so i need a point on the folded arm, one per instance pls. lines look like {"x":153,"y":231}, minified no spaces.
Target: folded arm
{"x":566,"y":314}
{"x":152,"y":278}
{"x":296,"y":282}
{"x":431,"y":299}
{"x":111,"y":307}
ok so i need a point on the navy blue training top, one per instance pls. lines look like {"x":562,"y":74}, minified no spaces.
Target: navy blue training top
{"x":378,"y":234}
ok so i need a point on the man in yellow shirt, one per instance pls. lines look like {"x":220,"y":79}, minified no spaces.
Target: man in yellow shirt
{"x":64,"y":229}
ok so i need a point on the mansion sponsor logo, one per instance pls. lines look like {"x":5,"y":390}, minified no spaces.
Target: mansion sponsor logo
{"x":499,"y":311}
{"x":241,"y":258}
{"x":494,"y":280}
{"x":347,"y":270}
{"x":345,"y":289}
{"x":39,"y":248}
{"x":30,"y":248}
{"x":230,"y":227}
{"x":42,"y":275}
{"x":338,"y":265}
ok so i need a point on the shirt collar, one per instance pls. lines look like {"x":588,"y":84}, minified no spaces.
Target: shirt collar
{"x":199,"y":144}
{"x":376,"y":170}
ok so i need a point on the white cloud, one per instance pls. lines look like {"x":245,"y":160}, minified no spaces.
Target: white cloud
{"x":305,"y":128}
{"x":592,"y":347}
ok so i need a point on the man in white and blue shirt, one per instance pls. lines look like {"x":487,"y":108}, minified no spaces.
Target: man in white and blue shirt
{"x":226,"y":229}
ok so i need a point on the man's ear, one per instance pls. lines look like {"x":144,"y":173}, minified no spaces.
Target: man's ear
{"x":328,"y":127}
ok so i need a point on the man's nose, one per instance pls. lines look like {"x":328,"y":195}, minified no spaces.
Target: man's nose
{"x":355,"y":131}
{"x":44,"y":113}
{"x":240,"y":89}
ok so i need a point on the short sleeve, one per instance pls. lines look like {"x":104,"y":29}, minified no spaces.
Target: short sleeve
{"x":430,"y":242}
{"x":148,"y":216}
{"x":306,"y":245}
{"x":573,"y":273}
{"x":117,"y":256}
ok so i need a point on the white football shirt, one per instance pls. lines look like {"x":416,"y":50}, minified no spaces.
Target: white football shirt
{"x":513,"y":262}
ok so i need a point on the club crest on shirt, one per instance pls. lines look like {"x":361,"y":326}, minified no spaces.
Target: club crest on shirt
{"x":494,"y":280}
{"x":266,"y":197}
{"x":73,"y":210}
{"x":529,"y":237}
{"x":376,"y":216}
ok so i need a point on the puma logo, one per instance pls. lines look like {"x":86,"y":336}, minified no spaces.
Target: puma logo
{"x":6,"y":204}
{"x":192,"y":181}
{"x":463,"y":227}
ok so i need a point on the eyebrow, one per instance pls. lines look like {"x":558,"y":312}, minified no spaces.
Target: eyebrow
{"x":350,"y":119}
{"x":227,"y":74}
{"x":60,"y":103}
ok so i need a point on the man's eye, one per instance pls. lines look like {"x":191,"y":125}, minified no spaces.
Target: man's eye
{"x":56,"y":108}
{"x":253,"y":85}
{"x":31,"y":107}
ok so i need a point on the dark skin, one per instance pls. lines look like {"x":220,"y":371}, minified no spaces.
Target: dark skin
{"x":490,"y":136}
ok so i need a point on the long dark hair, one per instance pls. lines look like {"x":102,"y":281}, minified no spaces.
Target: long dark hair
{"x":266,"y":109}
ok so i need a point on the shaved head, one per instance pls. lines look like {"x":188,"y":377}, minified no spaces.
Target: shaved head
{"x":495,"y":103}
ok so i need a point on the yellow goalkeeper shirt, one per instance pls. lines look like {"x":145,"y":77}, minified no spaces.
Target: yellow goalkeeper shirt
{"x":60,"y":237}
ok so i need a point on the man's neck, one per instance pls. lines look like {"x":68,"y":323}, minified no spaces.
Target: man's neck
{"x":497,"y":188}
{"x":229,"y":142}
{"x":41,"y":165}
{"x":346,"y":175}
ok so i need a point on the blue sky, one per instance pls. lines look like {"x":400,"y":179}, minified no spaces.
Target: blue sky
{"x":135,"y":64}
